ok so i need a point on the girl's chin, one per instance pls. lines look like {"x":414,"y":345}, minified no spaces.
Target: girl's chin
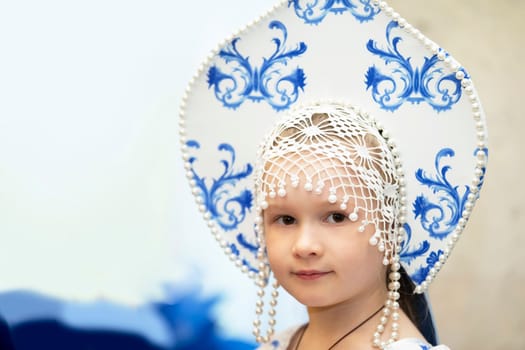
{"x":316,"y":302}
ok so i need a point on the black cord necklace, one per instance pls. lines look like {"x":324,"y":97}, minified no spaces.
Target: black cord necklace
{"x":344,"y":336}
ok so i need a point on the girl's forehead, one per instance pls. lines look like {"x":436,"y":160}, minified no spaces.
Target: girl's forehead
{"x":308,"y":166}
{"x":301,"y":197}
{"x":308,"y":178}
{"x":310,"y":173}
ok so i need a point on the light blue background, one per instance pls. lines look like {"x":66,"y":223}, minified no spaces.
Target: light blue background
{"x":93,"y":200}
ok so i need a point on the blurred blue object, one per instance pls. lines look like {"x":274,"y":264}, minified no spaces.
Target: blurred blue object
{"x":5,"y":336}
{"x":38,"y":322}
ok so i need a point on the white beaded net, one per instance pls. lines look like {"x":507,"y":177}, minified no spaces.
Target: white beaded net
{"x":336,"y":151}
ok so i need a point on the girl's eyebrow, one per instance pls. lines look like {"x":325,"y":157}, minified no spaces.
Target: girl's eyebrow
{"x":277,"y":207}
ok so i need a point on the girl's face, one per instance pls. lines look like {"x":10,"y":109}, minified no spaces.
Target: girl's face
{"x":317,"y":253}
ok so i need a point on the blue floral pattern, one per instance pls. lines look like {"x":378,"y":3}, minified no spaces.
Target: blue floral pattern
{"x":274,"y":81}
{"x":407,"y":253}
{"x":405,"y":83}
{"x":439,"y":220}
{"x":226,"y":208}
{"x":422,"y":272}
{"x":314,"y":11}
{"x":227,"y":211}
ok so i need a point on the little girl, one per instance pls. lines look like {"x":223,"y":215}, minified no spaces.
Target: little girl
{"x":328,"y":190}
{"x":353,"y":206}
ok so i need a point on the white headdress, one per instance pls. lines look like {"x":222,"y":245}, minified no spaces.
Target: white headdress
{"x":416,"y":101}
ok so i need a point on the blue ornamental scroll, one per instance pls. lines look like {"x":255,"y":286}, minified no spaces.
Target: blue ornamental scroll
{"x":422,"y":272}
{"x":314,"y":11}
{"x":273,"y":81}
{"x":401,"y":82}
{"x":439,"y":220}
{"x":408,"y":253}
{"x":226,"y":206}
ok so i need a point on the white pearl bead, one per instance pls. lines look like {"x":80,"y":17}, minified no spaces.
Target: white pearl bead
{"x":394,"y":276}
{"x":393,"y":285}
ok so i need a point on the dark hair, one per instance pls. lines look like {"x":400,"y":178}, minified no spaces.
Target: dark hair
{"x":416,"y":306}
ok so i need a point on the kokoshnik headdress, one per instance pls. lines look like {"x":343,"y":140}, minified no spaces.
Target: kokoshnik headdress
{"x":330,"y":74}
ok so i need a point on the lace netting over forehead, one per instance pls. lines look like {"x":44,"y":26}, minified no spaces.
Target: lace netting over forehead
{"x":336,"y":151}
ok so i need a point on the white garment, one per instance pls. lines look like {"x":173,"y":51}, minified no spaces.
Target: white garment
{"x":281,"y":341}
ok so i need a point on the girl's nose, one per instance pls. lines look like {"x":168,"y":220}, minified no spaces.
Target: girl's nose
{"x":306,"y":243}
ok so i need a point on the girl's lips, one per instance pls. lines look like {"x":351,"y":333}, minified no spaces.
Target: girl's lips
{"x":309,"y":275}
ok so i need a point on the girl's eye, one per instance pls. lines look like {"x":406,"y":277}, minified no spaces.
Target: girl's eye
{"x":336,"y":218}
{"x":285,"y":220}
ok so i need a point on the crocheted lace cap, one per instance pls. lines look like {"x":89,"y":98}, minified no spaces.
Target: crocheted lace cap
{"x":334,"y":151}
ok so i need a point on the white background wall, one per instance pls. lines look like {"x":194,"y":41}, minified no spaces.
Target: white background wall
{"x":93,"y":202}
{"x":478,"y":296}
